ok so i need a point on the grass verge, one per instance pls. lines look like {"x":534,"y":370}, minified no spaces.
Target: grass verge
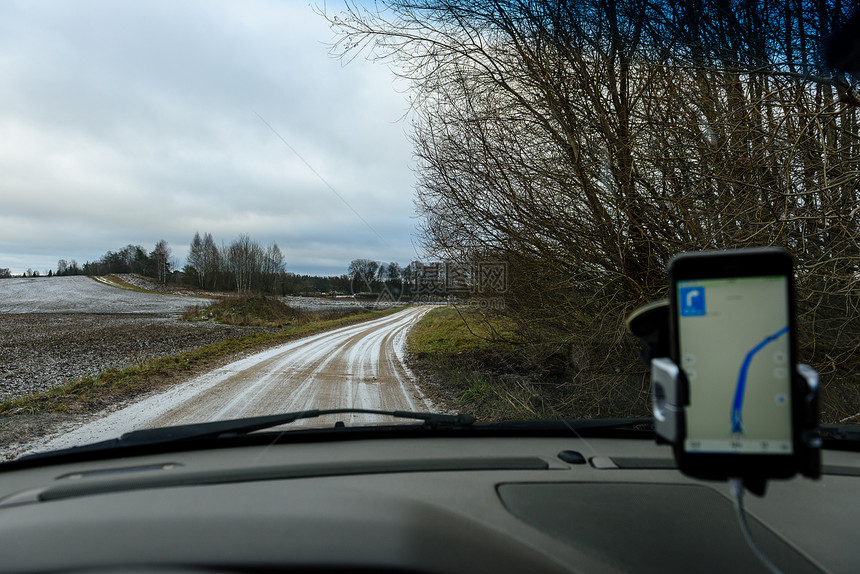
{"x":473,"y":358}
{"x":119,"y":283}
{"x":488,"y":370}
{"x":260,"y":311}
{"x":93,"y":393}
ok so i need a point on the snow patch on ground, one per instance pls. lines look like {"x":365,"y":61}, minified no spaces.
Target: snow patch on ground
{"x":80,"y":294}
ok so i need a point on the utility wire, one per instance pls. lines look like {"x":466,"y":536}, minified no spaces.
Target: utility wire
{"x":321,"y":178}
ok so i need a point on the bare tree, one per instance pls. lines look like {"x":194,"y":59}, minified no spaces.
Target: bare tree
{"x":362,"y":273}
{"x":212,"y":262}
{"x":272,"y":268}
{"x":394,"y":271}
{"x":197,"y":259}
{"x":586,"y":142}
{"x":244,"y":257}
{"x":161,"y":261}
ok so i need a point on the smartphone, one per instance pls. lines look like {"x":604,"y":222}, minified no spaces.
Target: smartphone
{"x":732,"y":333}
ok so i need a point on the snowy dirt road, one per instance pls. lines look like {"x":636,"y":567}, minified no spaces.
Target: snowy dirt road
{"x":360,"y":366}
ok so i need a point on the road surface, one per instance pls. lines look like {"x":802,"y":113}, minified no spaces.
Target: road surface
{"x":360,"y":366}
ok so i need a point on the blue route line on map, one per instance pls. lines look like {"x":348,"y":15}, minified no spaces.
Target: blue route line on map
{"x":738,"y":405}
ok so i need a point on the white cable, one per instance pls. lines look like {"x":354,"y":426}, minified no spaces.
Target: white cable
{"x":737,"y":487}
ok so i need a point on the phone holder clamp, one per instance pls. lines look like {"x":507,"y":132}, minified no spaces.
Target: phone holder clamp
{"x":670,"y":397}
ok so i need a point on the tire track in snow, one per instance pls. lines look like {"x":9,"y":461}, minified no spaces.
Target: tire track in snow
{"x":360,"y":366}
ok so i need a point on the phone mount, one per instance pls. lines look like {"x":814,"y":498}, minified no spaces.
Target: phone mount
{"x":670,"y":393}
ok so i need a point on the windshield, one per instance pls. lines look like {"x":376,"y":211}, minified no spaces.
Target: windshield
{"x":220,"y":210}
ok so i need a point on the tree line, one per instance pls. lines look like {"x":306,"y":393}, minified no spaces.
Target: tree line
{"x":243,"y":265}
{"x":6,"y":273}
{"x":157,"y":263}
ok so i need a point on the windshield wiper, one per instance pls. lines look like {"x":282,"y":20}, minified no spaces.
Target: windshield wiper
{"x":607,"y":428}
{"x":238,"y":427}
{"x":234,"y":427}
{"x":200,"y":435}
{"x":840,"y":437}
{"x":639,"y":423}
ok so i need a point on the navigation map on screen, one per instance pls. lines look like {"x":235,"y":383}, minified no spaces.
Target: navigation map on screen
{"x":734,"y":348}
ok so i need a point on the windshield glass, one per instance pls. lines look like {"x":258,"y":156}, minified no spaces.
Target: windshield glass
{"x":218,"y":210}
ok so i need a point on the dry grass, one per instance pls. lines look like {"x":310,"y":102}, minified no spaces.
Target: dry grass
{"x":491,"y":373}
{"x":260,"y":311}
{"x":123,"y":284}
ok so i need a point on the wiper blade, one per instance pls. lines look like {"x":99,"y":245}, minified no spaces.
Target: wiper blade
{"x":235,"y":427}
{"x":840,"y":432}
{"x":589,"y":426}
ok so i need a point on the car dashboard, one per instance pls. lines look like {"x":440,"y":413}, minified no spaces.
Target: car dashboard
{"x":432,"y":504}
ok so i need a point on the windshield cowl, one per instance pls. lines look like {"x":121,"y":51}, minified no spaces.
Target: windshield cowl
{"x":192,"y":437}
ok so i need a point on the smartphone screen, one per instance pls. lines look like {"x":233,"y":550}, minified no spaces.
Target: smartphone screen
{"x":735,"y":348}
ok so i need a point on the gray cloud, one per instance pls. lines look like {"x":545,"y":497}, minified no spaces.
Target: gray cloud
{"x":128,"y":122}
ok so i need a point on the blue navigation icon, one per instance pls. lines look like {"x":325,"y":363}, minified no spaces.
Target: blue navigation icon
{"x":692,"y":301}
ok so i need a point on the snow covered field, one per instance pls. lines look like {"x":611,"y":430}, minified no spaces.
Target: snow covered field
{"x":57,"y":329}
{"x":81,"y":294}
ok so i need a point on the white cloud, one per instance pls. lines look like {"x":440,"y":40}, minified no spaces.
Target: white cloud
{"x":129,"y":122}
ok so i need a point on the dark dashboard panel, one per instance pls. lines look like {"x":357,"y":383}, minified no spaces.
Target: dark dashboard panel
{"x":650,"y":528}
{"x":452,"y":505}
{"x":269,"y":524}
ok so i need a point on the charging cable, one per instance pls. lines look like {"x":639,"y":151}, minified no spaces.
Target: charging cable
{"x":737,"y":487}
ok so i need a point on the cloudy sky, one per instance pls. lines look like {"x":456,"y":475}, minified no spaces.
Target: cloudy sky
{"x":126,"y":122}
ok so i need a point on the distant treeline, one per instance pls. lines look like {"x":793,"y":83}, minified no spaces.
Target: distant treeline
{"x":363,"y":276}
{"x":157,"y":263}
{"x":245,"y":266}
